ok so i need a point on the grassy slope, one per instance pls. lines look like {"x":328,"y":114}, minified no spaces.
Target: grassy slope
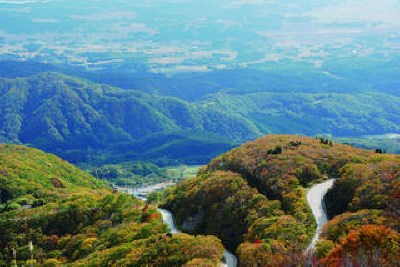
{"x":25,"y":171}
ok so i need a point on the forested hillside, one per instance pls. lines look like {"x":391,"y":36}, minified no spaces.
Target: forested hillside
{"x":86,"y":122}
{"x":72,"y":218}
{"x":338,"y":114}
{"x":256,"y":194}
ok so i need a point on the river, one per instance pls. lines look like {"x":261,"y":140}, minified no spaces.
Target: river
{"x":315,"y":198}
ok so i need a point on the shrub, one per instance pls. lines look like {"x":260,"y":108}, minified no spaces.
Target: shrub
{"x":51,"y":263}
{"x":13,"y":206}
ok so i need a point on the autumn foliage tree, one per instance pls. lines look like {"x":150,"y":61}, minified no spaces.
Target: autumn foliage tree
{"x":220,"y":200}
{"x":369,"y":245}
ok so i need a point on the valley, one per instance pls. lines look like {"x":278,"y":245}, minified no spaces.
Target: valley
{"x":199,"y":133}
{"x":315,"y":198}
{"x":244,"y":183}
{"x":126,"y":135}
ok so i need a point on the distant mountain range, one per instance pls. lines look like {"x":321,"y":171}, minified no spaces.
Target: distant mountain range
{"x":84,"y":121}
{"x":60,"y":113}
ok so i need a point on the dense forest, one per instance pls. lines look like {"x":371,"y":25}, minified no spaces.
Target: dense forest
{"x":69,"y":217}
{"x":86,"y":122}
{"x":253,"y":198}
{"x":108,"y":131}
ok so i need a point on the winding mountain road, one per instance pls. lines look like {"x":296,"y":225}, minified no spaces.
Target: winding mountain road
{"x":315,"y":198}
{"x":230,"y":260}
{"x":168,"y":219}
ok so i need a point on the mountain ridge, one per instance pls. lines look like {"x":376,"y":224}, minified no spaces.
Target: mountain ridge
{"x":270,"y":217}
{"x":86,"y":122}
{"x":53,"y":112}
